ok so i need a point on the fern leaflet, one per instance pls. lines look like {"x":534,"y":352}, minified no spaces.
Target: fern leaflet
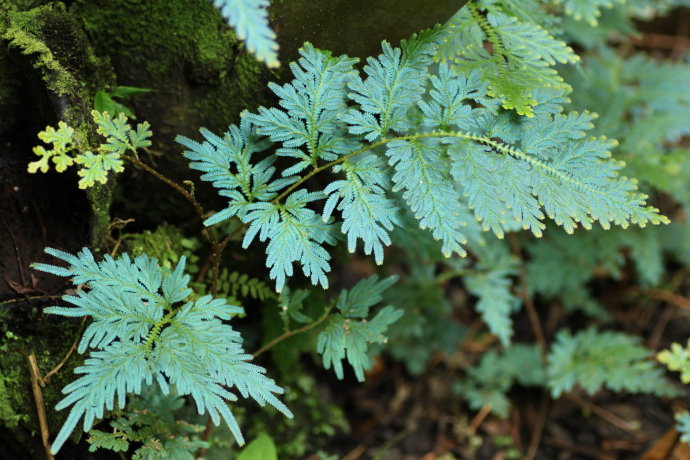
{"x":348,"y":333}
{"x":594,"y":360}
{"x":249,"y":18}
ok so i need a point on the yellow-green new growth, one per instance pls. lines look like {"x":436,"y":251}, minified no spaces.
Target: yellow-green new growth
{"x":94,"y":164}
{"x":677,"y":359}
{"x":61,"y":139}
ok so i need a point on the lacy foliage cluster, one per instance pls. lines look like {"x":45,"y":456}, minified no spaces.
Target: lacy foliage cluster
{"x":145,"y":329}
{"x":94,"y":164}
{"x":398,"y":137}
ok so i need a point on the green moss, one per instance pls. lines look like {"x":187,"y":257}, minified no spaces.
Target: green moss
{"x":17,"y":406}
{"x":19,"y":5}
{"x":199,"y":74}
{"x":12,"y":403}
{"x":57,"y":46}
{"x":184,"y":51}
{"x":160,"y":34}
{"x":100,"y":196}
{"x":24,"y":32}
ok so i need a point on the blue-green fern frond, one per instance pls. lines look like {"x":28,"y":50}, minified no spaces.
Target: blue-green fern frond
{"x":444,"y":135}
{"x":593,"y":360}
{"x":529,"y":42}
{"x":141,"y":332}
{"x":522,"y":52}
{"x":249,"y":18}
{"x":395,"y":81}
{"x":308,"y":125}
{"x":366,"y":211}
{"x":348,"y":333}
{"x":683,"y":426}
{"x":227,"y":163}
{"x":295,"y":233}
{"x":492,"y":284}
{"x":496,"y":187}
{"x":446,"y":108}
{"x":422,"y":172}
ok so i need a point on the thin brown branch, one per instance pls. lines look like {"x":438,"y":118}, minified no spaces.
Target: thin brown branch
{"x":527,"y":300}
{"x":216,"y":258}
{"x":659,"y":327}
{"x":25,"y":299}
{"x":205,"y":436}
{"x":184,"y":192}
{"x":564,"y":446}
{"x":355,"y":453}
{"x":203,"y":271}
{"x":289,"y":334}
{"x":13,"y":350}
{"x":479,"y":418}
{"x":668,"y":296}
{"x":215,"y":248}
{"x":602,"y":413}
{"x":16,"y":251}
{"x":57,"y":368}
{"x":36,"y":383}
{"x":662,"y":41}
{"x":538,"y":430}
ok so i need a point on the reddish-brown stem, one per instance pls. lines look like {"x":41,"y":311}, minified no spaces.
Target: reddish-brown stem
{"x":184,"y":192}
{"x":56,"y":369}
{"x":216,"y":258}
{"x":16,"y":251}
{"x":36,"y":383}
{"x":29,"y":298}
{"x":527,"y":300}
{"x":289,"y":334}
{"x":479,"y":418}
{"x":215,"y":251}
{"x":538,"y":431}
{"x":668,"y":296}
{"x":602,"y":413}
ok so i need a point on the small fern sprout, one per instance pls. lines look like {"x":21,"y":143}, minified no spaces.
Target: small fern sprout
{"x":94,"y":164}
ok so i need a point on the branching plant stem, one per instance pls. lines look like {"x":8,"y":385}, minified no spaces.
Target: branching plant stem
{"x":290,"y":333}
{"x":498,"y":146}
{"x":216,"y":247}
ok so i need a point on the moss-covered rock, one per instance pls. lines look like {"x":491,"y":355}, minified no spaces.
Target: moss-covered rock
{"x":55,"y":44}
{"x":199,"y":74}
{"x":182,"y":50}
